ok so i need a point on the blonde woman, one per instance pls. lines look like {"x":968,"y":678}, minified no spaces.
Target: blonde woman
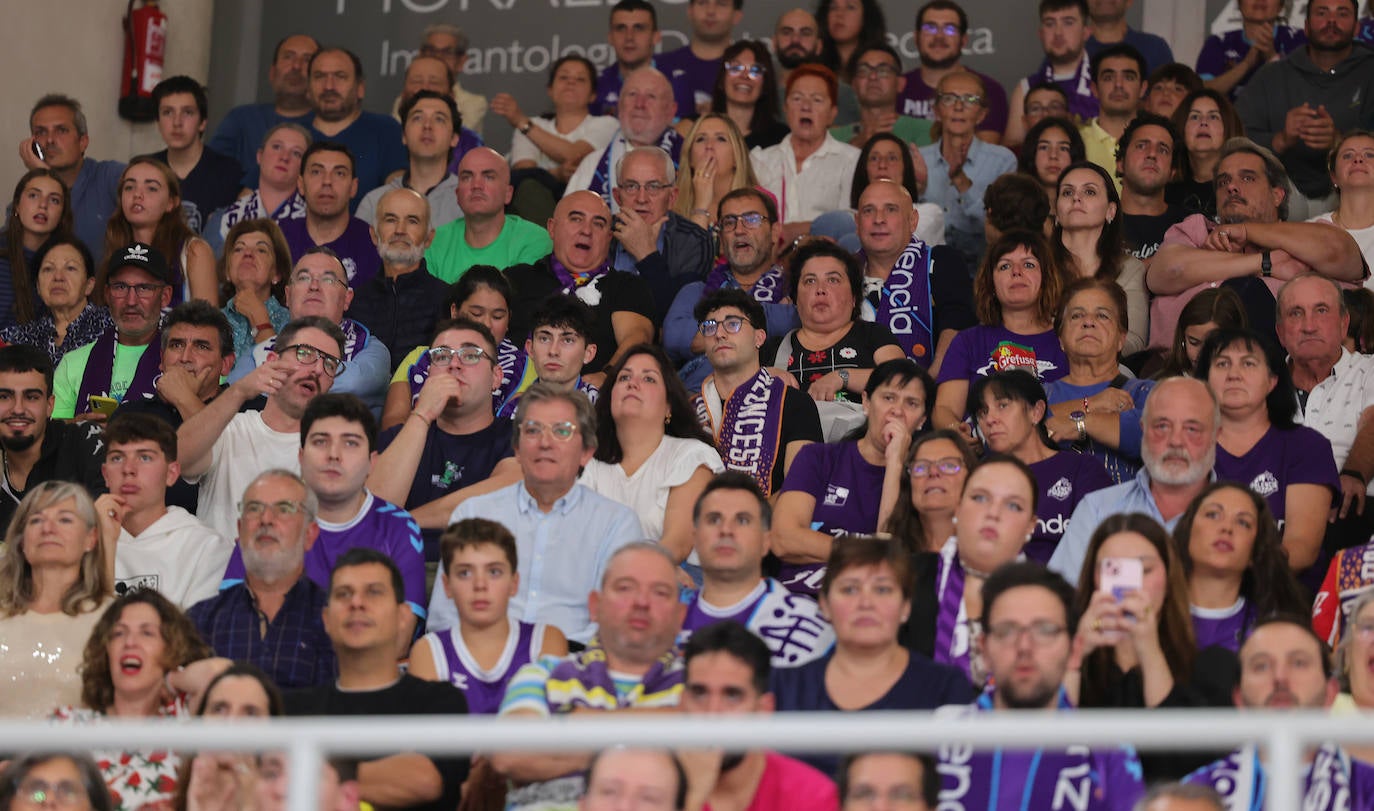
{"x":715,"y":162}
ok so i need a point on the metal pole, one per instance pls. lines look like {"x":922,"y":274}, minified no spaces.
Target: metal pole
{"x":1284,"y":767}
{"x":303,"y":787}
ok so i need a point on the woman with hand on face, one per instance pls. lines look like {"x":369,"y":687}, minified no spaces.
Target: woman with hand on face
{"x":849,"y":487}
{"x":230,"y":781}
{"x":150,"y":212}
{"x":1351,"y":164}
{"x":256,"y":265}
{"x":40,"y":208}
{"x":993,"y":522}
{"x":1010,"y":409}
{"x":65,"y":279}
{"x":747,"y":92}
{"x":923,"y":517}
{"x":715,"y":162}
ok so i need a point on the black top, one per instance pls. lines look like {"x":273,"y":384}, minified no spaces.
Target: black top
{"x":408,"y":696}
{"x":918,"y":632}
{"x":853,"y":351}
{"x":1144,"y":233}
{"x":1192,"y":197}
{"x":212,"y":184}
{"x":71,"y":452}
{"x":685,"y":258}
{"x":800,"y":422}
{"x":401,"y":312}
{"x":768,"y":136}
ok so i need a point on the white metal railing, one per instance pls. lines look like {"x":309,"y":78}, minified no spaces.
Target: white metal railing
{"x":1285,"y":736}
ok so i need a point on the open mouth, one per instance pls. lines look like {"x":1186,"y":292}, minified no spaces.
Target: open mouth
{"x":130,"y":665}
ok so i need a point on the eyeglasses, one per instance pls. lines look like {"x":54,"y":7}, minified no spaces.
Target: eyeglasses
{"x":948,"y":29}
{"x":561,"y":431}
{"x":430,"y":50}
{"x":467,"y":354}
{"x":1041,"y":633}
{"x":949,"y":99}
{"x":41,"y":792}
{"x":751,"y":220}
{"x":653,"y":187}
{"x":281,"y":509}
{"x":732,"y":324}
{"x":948,"y":466}
{"x":864,"y":70}
{"x":306,"y":355}
{"x":145,"y":290}
{"x":754,"y":71}
{"x":897,"y":795}
{"x":327,"y":280}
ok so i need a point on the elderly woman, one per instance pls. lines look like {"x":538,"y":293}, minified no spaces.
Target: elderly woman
{"x":56,"y":573}
{"x":1351,"y":163}
{"x":1259,"y":442}
{"x":1096,"y":409}
{"x":140,"y":639}
{"x":809,"y":172}
{"x":256,"y":265}
{"x":150,"y":212}
{"x":1015,"y":295}
{"x":715,"y":162}
{"x":849,"y":488}
{"x":69,"y":781}
{"x":747,"y":91}
{"x":39,"y":209}
{"x":1207,"y":120}
{"x":1051,"y":146}
{"x":65,"y":280}
{"x":932,"y":478}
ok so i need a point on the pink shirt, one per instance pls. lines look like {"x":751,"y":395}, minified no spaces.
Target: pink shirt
{"x":790,"y":785}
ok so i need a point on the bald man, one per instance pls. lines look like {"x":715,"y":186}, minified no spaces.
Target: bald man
{"x":646,"y":114}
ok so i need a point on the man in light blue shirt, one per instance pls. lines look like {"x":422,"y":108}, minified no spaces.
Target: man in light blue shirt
{"x":564,"y":532}
{"x":1179,"y":448}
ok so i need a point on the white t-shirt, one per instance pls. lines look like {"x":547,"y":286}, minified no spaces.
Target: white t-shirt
{"x":177,"y":555}
{"x":246,"y":448}
{"x":597,"y":130}
{"x":1364,"y":237}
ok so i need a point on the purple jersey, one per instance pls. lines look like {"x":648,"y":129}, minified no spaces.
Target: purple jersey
{"x":1298,"y":455}
{"x":1077,"y":86}
{"x":1225,"y":627}
{"x":1333,"y":782}
{"x":846,"y":489}
{"x":696,"y":76}
{"x":917,"y":100}
{"x":791,"y":624}
{"x":379,"y":525}
{"x":355,"y":247}
{"x":1064,"y":479}
{"x":982,"y":350}
{"x":1221,"y":53}
{"x":484,"y":688}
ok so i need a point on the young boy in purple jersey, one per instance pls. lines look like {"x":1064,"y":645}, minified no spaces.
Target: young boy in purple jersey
{"x":485,"y":648}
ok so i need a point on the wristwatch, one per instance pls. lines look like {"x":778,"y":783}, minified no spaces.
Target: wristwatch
{"x":529,"y":125}
{"x":844,"y":378}
{"x":1080,"y":422}
{"x":1266,"y":264}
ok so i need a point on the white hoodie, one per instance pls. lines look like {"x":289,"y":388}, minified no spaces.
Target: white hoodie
{"x":177,"y":555}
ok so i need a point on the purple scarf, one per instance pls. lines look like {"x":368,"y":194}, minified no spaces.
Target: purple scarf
{"x":904,"y":304}
{"x":767,"y":290}
{"x":750,"y":430}
{"x":592,"y":676}
{"x":1079,"y":89}
{"x":601,"y":184}
{"x":100,"y":371}
{"x":1332,"y":783}
{"x":509,"y":357}
{"x":949,"y":594}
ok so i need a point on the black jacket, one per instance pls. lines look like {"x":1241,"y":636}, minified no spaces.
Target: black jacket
{"x":686,"y":257}
{"x":72,"y":451}
{"x":400,"y":312}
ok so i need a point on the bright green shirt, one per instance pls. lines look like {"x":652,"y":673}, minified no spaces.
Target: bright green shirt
{"x":66,"y":382}
{"x":521,"y":242}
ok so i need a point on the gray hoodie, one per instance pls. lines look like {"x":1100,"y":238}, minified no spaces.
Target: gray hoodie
{"x":1347,"y":91}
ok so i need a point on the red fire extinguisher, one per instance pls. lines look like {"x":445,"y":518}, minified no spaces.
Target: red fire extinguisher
{"x":145,"y":47}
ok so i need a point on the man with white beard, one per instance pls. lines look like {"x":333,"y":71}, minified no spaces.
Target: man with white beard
{"x":1179,"y":448}
{"x":401,"y":305}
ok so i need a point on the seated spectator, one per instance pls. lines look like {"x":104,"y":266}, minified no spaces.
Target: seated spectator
{"x":271,"y":617}
{"x":124,"y":360}
{"x":941,"y":36}
{"x":337,"y":451}
{"x":236,"y":779}
{"x":67,"y":318}
{"x":1015,"y":202}
{"x":630,"y":664}
{"x":579,"y":263}
{"x":209,"y":179}
{"x":337,"y":88}
{"x":715,"y":163}
{"x":160,"y":547}
{"x":484,"y":650}
{"x":652,"y":241}
{"x":1064,"y":34}
{"x":1168,"y":85}
{"x":651,"y":452}
{"x":485,"y":234}
{"x":57,"y":127}
{"x":878,"y":81}
{"x":277,"y":196}
{"x":1349,"y":164}
{"x":874,"y":573}
{"x":1359,"y":336}
{"x":571,"y":530}
{"x":844,"y":33}
{"x":1181,"y":797}
{"x":747,"y":92}
{"x":864,"y":777}
{"x":241,"y":690}
{"x":1341,"y":601}
{"x":731,"y":523}
{"x":1147,"y":159}
{"x":655,"y":778}
{"x":1210,"y":310}
{"x":1044,"y":100}
{"x":139,"y":642}
{"x":922,"y":520}
{"x":849,"y":488}
{"x":1207,"y":121}
{"x":327,"y":182}
{"x":1118,"y":81}
{"x":1051,"y":146}
{"x":726,"y":672}
{"x":887,"y":157}
{"x":398,"y":304}
{"x":1029,"y":626}
{"x":40,"y":210}
{"x":242,"y":131}
{"x":1227,"y":61}
{"x":449,"y":44}
{"x":759,"y":422}
{"x":58,"y":571}
{"x":962,"y":164}
{"x":645,"y":114}
{"x":822,"y":184}
{"x":197,"y":352}
{"x":1015,"y":295}
{"x":1087,"y":243}
{"x":430,"y":131}
{"x":77,"y":771}
{"x":363,"y":614}
{"x":1355,"y":647}
{"x":223,"y":448}
{"x":1011,"y":410}
{"x":427,"y":73}
{"x":1095,"y":409}
{"x":256,"y":266}
{"x":1109,"y":28}
{"x":558,"y":348}
{"x":1233,"y":556}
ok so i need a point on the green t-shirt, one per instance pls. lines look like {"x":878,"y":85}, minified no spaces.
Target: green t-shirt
{"x":66,"y":384}
{"x":912,"y":130}
{"x":520,"y":242}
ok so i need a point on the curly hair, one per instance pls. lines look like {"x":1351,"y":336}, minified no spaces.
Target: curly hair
{"x":182,"y":641}
{"x":682,"y":415}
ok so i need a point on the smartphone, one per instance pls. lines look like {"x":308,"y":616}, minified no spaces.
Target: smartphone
{"x":103,"y":405}
{"x":37,"y":150}
{"x":1120,"y":576}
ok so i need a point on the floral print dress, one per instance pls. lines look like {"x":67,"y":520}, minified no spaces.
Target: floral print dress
{"x":136,"y":780}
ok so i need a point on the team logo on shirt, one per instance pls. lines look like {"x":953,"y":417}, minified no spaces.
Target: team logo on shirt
{"x":836,"y":496}
{"x":127,"y":585}
{"x":1010,"y":355}
{"x":1265,"y":484}
{"x":1061,"y":490}
{"x":452,"y":473}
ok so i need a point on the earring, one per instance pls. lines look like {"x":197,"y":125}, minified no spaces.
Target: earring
{"x":668,"y":419}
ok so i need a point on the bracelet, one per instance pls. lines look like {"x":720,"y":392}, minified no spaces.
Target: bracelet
{"x":1355,"y":474}
{"x":422,"y":418}
{"x":704,"y":211}
{"x":264,"y":325}
{"x":529,"y":125}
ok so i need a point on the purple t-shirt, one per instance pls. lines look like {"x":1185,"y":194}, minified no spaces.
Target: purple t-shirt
{"x":1298,"y":455}
{"x":379,"y":525}
{"x":484,"y":689}
{"x":1064,"y":479}
{"x":847,"y":490}
{"x":1123,"y":461}
{"x":1225,"y":627}
{"x":1221,"y":53}
{"x":354,"y":247}
{"x":979,"y":351}
{"x":696,"y":76}
{"x":917,"y":100}
{"x":791,"y":624}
